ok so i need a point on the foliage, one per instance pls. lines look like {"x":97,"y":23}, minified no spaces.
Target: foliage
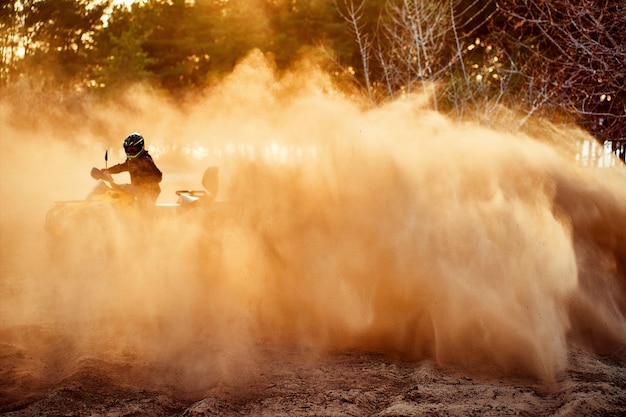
{"x":572,"y":56}
{"x":561,"y":57}
{"x":10,"y":27}
{"x":470,"y":56}
{"x":57,"y":36}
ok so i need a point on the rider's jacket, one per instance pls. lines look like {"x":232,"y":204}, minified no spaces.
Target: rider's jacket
{"x":143,"y":171}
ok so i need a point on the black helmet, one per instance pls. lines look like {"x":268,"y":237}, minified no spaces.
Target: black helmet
{"x":133,"y":145}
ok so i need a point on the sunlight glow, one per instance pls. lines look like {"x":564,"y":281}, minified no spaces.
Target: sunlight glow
{"x":128,"y":3}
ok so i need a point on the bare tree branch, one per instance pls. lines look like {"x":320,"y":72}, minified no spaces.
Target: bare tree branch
{"x":574,"y":54}
{"x":353,"y":15}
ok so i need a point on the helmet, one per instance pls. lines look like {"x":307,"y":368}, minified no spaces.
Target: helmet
{"x":133,"y":145}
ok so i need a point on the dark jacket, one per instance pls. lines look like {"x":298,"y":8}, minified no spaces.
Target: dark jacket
{"x":144,"y":177}
{"x":143,"y":171}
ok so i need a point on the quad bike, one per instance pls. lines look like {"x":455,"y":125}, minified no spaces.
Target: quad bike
{"x":94,"y":228}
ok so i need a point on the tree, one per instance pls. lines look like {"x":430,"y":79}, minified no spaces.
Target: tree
{"x":299,"y":25}
{"x":558,"y":57}
{"x":191,"y":42}
{"x":58,"y":35}
{"x":10,"y":33}
{"x":123,"y":61}
{"x":432,"y":47}
{"x":572,"y":57}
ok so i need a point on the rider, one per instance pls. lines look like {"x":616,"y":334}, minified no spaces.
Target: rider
{"x":144,"y":174}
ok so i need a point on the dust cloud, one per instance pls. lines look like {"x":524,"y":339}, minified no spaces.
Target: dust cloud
{"x":390,"y":229}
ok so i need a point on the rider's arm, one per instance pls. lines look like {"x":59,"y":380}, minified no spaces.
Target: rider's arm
{"x":116,"y":169}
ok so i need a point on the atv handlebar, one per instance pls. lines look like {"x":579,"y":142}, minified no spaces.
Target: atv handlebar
{"x":98,"y":174}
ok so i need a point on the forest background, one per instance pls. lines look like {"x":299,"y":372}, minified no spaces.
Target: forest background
{"x":560,"y":59}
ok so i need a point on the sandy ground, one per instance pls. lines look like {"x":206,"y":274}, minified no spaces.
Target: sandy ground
{"x":37,"y":381}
